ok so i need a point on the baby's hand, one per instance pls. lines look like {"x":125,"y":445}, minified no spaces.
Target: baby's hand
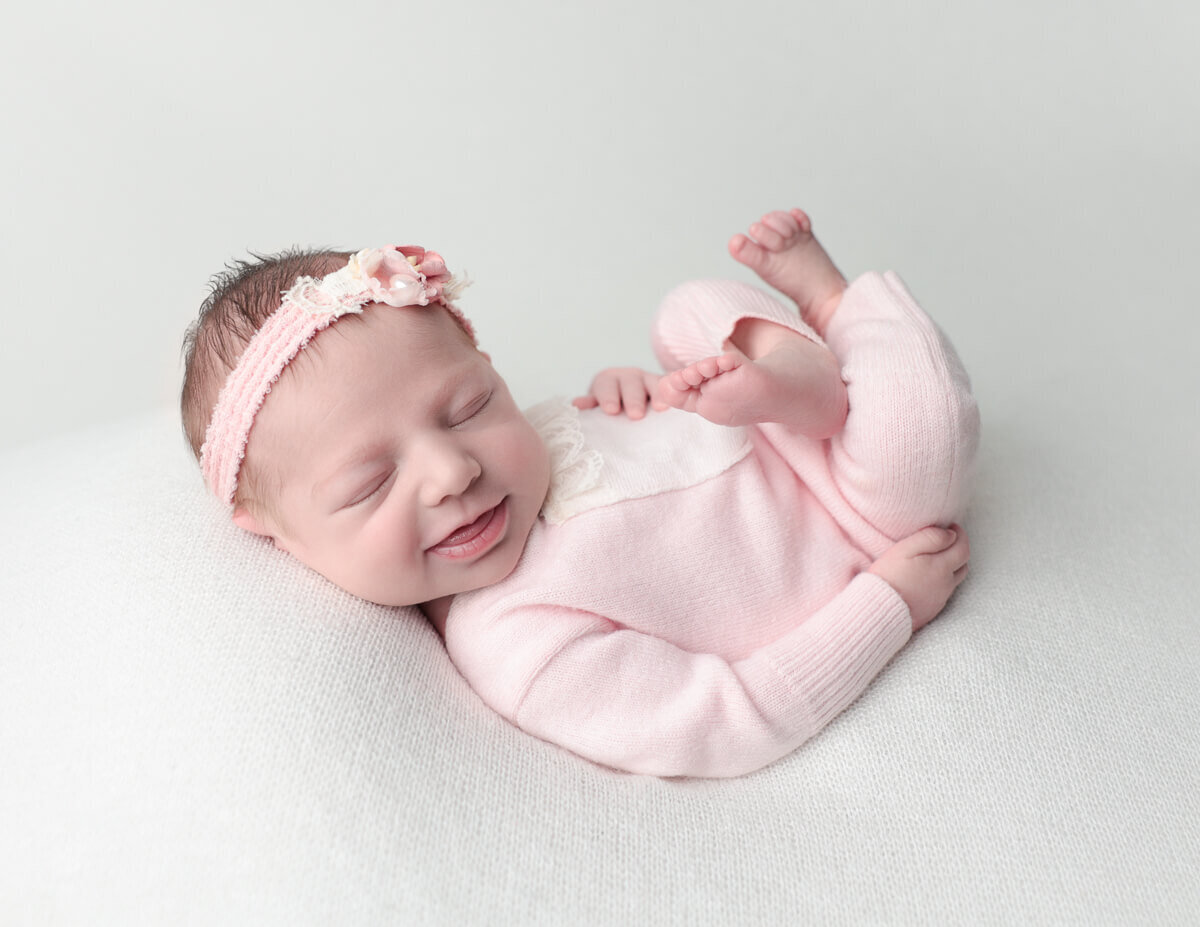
{"x":925,"y":568}
{"x":618,"y":388}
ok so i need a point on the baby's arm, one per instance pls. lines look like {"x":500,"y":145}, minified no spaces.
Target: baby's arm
{"x":635,"y":702}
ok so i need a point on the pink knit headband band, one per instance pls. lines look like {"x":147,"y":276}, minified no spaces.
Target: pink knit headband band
{"x":398,"y":276}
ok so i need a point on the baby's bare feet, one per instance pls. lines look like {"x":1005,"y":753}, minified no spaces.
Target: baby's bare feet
{"x":783,"y":251}
{"x":707,"y":388}
{"x":925,"y":568}
{"x":769,"y":374}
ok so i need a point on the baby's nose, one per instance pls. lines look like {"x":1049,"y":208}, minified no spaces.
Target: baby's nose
{"x":448,"y":470}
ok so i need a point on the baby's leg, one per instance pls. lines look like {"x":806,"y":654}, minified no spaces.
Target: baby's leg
{"x":905,"y":456}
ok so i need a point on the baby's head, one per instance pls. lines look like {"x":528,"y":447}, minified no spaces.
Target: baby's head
{"x":356,"y":424}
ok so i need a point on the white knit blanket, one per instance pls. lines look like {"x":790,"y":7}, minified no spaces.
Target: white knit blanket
{"x":197,"y":731}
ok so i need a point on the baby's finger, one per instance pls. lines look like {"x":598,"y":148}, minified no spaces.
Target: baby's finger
{"x":633,"y":393}
{"x":650,"y":381}
{"x":585,"y":402}
{"x":607,"y":391}
{"x":961,"y":546}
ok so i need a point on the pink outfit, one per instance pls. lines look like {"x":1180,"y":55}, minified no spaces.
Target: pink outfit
{"x":697,"y":604}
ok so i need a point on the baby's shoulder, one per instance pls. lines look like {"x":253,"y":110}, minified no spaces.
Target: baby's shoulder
{"x":598,"y":459}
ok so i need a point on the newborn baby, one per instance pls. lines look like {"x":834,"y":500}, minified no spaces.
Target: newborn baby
{"x":678,"y":574}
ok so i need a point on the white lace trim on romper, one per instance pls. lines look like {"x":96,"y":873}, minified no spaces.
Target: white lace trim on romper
{"x":598,"y":459}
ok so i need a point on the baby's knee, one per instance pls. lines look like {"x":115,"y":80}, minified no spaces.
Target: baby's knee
{"x":912,"y":468}
{"x":691,"y":314}
{"x":720,"y":297}
{"x":936,"y":480}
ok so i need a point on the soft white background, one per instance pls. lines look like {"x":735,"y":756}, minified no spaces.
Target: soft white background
{"x":578,"y":159}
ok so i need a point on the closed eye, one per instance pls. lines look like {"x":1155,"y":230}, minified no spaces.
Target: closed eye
{"x":370,"y":490}
{"x":473,"y":408}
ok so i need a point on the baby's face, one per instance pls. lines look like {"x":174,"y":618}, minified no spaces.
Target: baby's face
{"x":406,"y":472}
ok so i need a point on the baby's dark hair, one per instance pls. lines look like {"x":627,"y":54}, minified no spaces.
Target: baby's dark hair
{"x":241,"y":298}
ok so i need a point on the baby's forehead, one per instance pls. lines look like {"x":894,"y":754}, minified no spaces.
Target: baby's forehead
{"x":379,"y":339}
{"x":382,"y":329}
{"x":383,"y":361}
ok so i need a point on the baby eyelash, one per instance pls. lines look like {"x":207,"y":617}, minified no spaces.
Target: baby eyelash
{"x":374,"y":492}
{"x":475,"y":408}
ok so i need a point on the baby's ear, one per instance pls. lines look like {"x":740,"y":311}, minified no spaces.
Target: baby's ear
{"x":246,"y":520}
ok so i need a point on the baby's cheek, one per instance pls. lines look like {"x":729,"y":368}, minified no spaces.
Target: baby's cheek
{"x":505,"y":446}
{"x":352,"y":561}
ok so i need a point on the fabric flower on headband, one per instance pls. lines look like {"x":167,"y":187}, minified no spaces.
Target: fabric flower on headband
{"x":395,"y":275}
{"x":401,"y":275}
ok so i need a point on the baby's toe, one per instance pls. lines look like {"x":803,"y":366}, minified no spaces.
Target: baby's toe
{"x":748,"y":252}
{"x":668,"y":396}
{"x":693,"y":375}
{"x":802,"y":220}
{"x":766,"y":236}
{"x":783,"y":223}
{"x":675,"y":380}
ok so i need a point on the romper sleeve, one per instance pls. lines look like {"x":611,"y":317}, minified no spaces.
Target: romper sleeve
{"x":695,"y":318}
{"x":635,"y":702}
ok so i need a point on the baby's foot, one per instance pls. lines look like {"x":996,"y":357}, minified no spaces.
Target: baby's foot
{"x":707,"y":388}
{"x":785,"y":254}
{"x":796,"y":383}
{"x":925,"y":568}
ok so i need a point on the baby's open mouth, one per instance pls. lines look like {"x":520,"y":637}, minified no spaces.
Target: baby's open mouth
{"x":471,"y":539}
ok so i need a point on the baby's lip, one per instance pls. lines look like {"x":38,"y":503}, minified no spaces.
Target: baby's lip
{"x":467,"y":530}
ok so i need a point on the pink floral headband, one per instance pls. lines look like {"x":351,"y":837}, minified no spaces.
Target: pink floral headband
{"x":404,"y":275}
